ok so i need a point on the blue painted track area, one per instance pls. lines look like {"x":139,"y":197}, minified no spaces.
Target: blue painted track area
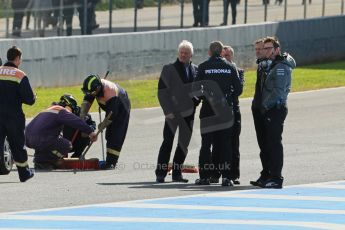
{"x":313,"y":206}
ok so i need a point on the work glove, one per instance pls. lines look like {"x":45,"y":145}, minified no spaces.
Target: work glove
{"x":84,"y":109}
{"x":103,"y":124}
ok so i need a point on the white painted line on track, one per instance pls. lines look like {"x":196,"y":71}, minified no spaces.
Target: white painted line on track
{"x":316,"y":225}
{"x":279,"y":197}
{"x":227,"y":208}
{"x":326,"y":186}
{"x":26,"y":228}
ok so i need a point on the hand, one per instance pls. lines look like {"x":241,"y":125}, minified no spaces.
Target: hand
{"x":170,"y":116}
{"x":93,"y":136}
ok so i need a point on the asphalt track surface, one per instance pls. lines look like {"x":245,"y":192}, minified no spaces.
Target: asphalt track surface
{"x":314,"y":152}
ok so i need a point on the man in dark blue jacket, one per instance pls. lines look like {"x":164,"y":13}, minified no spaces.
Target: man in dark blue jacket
{"x":228,"y":54}
{"x":218,"y":83}
{"x":15,"y":90}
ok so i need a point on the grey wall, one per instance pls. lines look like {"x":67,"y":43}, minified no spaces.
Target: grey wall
{"x":61,"y":61}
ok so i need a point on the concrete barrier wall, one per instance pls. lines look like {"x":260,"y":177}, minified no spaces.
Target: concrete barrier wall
{"x":61,"y":61}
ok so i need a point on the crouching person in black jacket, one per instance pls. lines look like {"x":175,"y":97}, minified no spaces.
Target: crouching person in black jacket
{"x":78,"y":139}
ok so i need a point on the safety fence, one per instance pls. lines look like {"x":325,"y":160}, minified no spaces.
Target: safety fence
{"x":48,"y":17}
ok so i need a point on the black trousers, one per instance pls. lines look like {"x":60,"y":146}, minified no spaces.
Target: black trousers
{"x":79,"y":142}
{"x":18,"y":7}
{"x":218,"y":161}
{"x":13,"y":127}
{"x":116,"y":132}
{"x":233,"y":4}
{"x":201,"y":12}
{"x":87,"y":29}
{"x":235,"y":154}
{"x":68,"y":18}
{"x":185,"y":125}
{"x":274,"y":124}
{"x":259,"y":123}
{"x":269,"y":130}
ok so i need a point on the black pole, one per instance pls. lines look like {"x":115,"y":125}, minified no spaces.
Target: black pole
{"x":265,"y":16}
{"x":305,"y":9}
{"x":85,"y":16}
{"x":110,"y":30}
{"x":159,"y":14}
{"x":135,"y":15}
{"x":7,"y":8}
{"x":323,"y":8}
{"x":285,"y":9}
{"x":245,"y":11}
{"x":204,"y":12}
{"x":182,"y":8}
{"x":60,"y":24}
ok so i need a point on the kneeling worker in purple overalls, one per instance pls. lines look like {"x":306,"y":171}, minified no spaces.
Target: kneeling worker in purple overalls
{"x":43,"y":134}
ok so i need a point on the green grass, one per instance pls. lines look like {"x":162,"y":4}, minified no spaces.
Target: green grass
{"x":143,"y":92}
{"x":120,"y":4}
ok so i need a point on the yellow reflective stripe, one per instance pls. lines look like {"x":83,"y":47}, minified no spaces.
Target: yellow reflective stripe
{"x":90,"y":82}
{"x":58,"y":154}
{"x":10,"y":78}
{"x":113,"y":152}
{"x":21,"y":164}
{"x":51,"y":111}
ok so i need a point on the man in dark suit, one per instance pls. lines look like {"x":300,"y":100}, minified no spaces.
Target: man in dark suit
{"x":233,"y":4}
{"x":18,"y":7}
{"x":201,"y":12}
{"x":174,"y":88}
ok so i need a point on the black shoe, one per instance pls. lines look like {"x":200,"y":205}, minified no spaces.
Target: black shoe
{"x":179,"y":179}
{"x":16,"y":34}
{"x":236,"y":181}
{"x":214,"y":180}
{"x":259,"y":182}
{"x":25,"y":173}
{"x":202,"y":181}
{"x":227,"y":182}
{"x":95,"y":26}
{"x":43,"y":166}
{"x":160,"y":179}
{"x":223,"y":24}
{"x":274,"y":183}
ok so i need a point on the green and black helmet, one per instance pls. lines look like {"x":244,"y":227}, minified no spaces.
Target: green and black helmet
{"x":69,"y":100}
{"x":92,"y":85}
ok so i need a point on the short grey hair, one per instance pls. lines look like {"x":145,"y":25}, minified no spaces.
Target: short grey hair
{"x":186,"y":44}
